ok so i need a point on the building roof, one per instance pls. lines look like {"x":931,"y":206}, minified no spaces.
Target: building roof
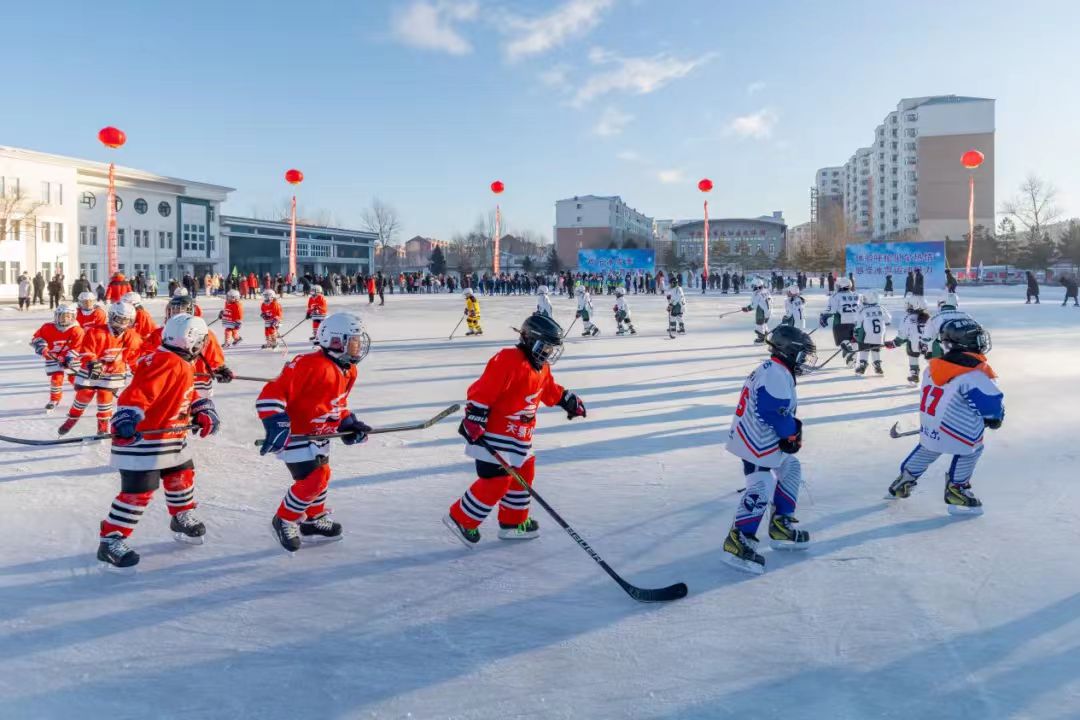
{"x":284,"y":224}
{"x":100,"y":171}
{"x":678,"y":224}
{"x":947,"y":99}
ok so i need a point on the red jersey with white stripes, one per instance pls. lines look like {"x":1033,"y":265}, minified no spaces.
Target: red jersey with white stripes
{"x":316,"y":307}
{"x":232,"y":315}
{"x":271,"y":313}
{"x":116,"y":352}
{"x":511,"y":389}
{"x":314,"y":391}
{"x":89,"y":318}
{"x":211,"y":358}
{"x":161,"y":392}
{"x":57,"y":342}
{"x":144,"y":324}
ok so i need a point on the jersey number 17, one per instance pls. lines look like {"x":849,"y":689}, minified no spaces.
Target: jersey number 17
{"x":931,"y":396}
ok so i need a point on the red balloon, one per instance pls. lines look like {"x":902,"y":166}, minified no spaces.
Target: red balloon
{"x":294,"y":177}
{"x":111,"y":137}
{"x":497,"y":187}
{"x":972,"y":159}
{"x":704,"y":185}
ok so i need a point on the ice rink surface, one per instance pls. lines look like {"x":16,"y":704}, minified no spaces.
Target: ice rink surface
{"x":897,"y":611}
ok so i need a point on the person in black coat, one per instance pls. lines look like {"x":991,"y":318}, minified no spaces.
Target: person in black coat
{"x":56,"y":291}
{"x":1070,"y":290}
{"x":1032,"y":288}
{"x":950,"y":281}
{"x":917,"y":286}
{"x":832,"y":282}
{"x":909,"y":284}
{"x":80,"y":286}
{"x":888,"y":285}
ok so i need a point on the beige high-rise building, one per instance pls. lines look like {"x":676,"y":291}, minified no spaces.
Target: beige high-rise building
{"x":909,"y":183}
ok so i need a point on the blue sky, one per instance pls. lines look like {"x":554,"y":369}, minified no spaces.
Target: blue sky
{"x":423,"y":103}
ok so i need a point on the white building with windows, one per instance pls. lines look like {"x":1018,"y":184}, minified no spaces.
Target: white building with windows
{"x":165,"y":226}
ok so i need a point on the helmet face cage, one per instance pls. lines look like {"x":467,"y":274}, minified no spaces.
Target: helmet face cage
{"x":179,"y":306}
{"x":118,"y":319}
{"x":64,"y":316}
{"x":805,"y":361}
{"x":350,"y":348}
{"x":546,"y":352}
{"x":87,"y":300}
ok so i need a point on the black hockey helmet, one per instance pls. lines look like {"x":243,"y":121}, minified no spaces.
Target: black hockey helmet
{"x":541,"y":340}
{"x":179,"y":304}
{"x":964,"y":335}
{"x":794,"y":347}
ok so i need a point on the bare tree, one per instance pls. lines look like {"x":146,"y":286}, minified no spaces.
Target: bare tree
{"x":381,"y":219}
{"x":18,"y":219}
{"x":1034,"y":208}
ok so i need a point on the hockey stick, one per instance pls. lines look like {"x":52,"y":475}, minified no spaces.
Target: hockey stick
{"x":423,"y":425}
{"x":733,"y":312}
{"x":92,"y":438}
{"x":818,"y":367}
{"x":895,"y":432}
{"x":571,"y":327}
{"x":461,"y":320}
{"x":282,"y":336}
{"x":252,"y":379}
{"x":213,"y":321}
{"x":665,"y":594}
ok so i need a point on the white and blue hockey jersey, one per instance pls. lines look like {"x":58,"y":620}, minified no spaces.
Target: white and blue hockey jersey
{"x":793,"y":308}
{"x":955,"y":403}
{"x":543,"y":305}
{"x":761,"y":304}
{"x":765,"y":413}
{"x":910,"y":332}
{"x":870,"y":324}
{"x":933,"y":327}
{"x":843,"y":306}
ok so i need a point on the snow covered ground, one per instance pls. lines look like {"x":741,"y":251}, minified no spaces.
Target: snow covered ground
{"x":898,"y":610}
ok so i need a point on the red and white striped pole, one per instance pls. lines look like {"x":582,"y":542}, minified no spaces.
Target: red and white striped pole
{"x":497,"y":187}
{"x":706,"y":185}
{"x":293,"y":177}
{"x":113,"y":138}
{"x":972,"y":159}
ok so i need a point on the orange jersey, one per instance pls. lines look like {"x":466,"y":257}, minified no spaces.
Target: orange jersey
{"x":271,"y":313}
{"x":115,"y":352}
{"x":56,"y":342}
{"x":144,"y":324}
{"x":211,"y":358}
{"x":316,"y":307}
{"x":90,"y":318}
{"x":161,"y":390}
{"x":511,"y":389}
{"x":117,"y":289}
{"x":232,"y":315}
{"x":314,"y":391}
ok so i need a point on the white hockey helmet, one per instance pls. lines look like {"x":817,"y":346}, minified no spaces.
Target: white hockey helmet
{"x":793,"y":291}
{"x":948,"y":299}
{"x":871,"y":297}
{"x":268,"y":295}
{"x":467,"y":292}
{"x":233,"y":295}
{"x":343,"y":338}
{"x":64,"y":316}
{"x":317,"y":289}
{"x":132,"y":298}
{"x":180,"y":292}
{"x":915,"y":303}
{"x":87,"y":299}
{"x":843,"y":283}
{"x":121,"y":316}
{"x":620,"y":291}
{"x":185,"y":334}
{"x":543,"y":290}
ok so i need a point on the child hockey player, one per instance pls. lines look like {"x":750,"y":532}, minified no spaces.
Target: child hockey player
{"x":843,"y":308}
{"x":947,"y":310}
{"x":52,"y":341}
{"x":870,"y":326}
{"x":760,"y":303}
{"x":676,"y":307}
{"x":209,"y":362}
{"x":183,"y":292}
{"x":959,"y":401}
{"x":270,"y":310}
{"x":910,"y":334}
{"x":501,"y":413}
{"x":585,"y":312}
{"x":90,"y":313}
{"x":102,"y":357}
{"x":316,"y":309}
{"x":543,"y":302}
{"x":311,"y":397}
{"x":622,"y":313}
{"x":161,"y":395}
{"x":765,"y":434}
{"x":144,"y":324}
{"x":472,"y":312}
{"x":232,"y":317}
{"x":793,"y":308}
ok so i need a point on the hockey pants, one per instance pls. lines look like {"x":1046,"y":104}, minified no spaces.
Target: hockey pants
{"x":270,"y":333}
{"x":315,"y":322}
{"x":106,"y":401}
{"x":306,"y":499}
{"x":787,"y":477}
{"x":960,"y":470}
{"x":473,"y":323}
{"x":136,"y":490}
{"x":232,"y":335}
{"x":494,"y":485}
{"x":873,"y":353}
{"x":675,"y":320}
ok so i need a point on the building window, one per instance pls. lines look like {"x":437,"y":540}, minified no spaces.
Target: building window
{"x":164,"y":209}
{"x":120,"y":237}
{"x":118,"y":202}
{"x":580,"y":231}
{"x":163,"y":273}
{"x":194,"y":237}
{"x":88,"y":200}
{"x":140,"y":206}
{"x":60,"y":233}
{"x":161,"y":239}
{"x":82,"y":234}
{"x":210,"y":213}
{"x":911,"y":132}
{"x":46,"y":196}
{"x":122,"y":268}
{"x":93,"y":236}
{"x":169,"y":239}
{"x":46,"y":232}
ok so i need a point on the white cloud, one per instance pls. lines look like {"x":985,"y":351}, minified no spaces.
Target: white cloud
{"x":637,"y":75}
{"x":433,"y":25}
{"x":556,"y":76}
{"x":628,"y":155}
{"x":611,"y":122}
{"x":755,"y":87}
{"x":533,"y":36}
{"x":758,"y":126}
{"x":670,"y":177}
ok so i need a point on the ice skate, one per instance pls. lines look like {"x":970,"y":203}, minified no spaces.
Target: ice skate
{"x":682,"y":329}
{"x":740,"y":552}
{"x":861,"y":368}
{"x":115,"y":556}
{"x":595,"y":331}
{"x":878,"y":370}
{"x":913,"y":377}
{"x":671,"y":331}
{"x":287,"y":533}
{"x":470,"y":331}
{"x":186,"y":528}
{"x":759,"y":338}
{"x":620,"y":331}
{"x":782,"y":536}
{"x":320,"y":530}
{"x":103,"y":427}
{"x":65,"y":428}
{"x":961,"y":501}
{"x":49,"y":407}
{"x":632,"y":330}
{"x":901,"y":487}
{"x":524,"y":531}
{"x":467,"y":537}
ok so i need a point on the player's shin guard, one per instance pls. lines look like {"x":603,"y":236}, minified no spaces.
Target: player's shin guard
{"x":83,"y":397}
{"x":514,"y":504}
{"x":179,"y":490}
{"x":754,"y":500}
{"x":56,"y":388}
{"x":124,"y":514}
{"x":788,"y":481}
{"x":918,"y":460}
{"x":303,"y":493}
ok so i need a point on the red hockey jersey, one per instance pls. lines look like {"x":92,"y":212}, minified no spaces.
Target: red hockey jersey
{"x":57,"y":342}
{"x":116,"y":353}
{"x":144,"y":324}
{"x":211,"y":358}
{"x":271,"y":313}
{"x":89,"y":318}
{"x":316,"y":307}
{"x":232,"y":315}
{"x":161,"y":391}
{"x":314,"y":391}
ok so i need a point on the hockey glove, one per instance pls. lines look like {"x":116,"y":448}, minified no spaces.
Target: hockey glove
{"x":122,"y":426}
{"x":277,"y":433}
{"x":889,"y":344}
{"x":823,"y":320}
{"x":793,"y":443}
{"x":746,"y":309}
{"x":572,"y":404}
{"x":577,"y":315}
{"x":95,"y":369}
{"x":221,"y":314}
{"x":39,"y":346}
{"x":205,"y":416}
{"x":474,"y":425}
{"x":357,"y":431}
{"x":995,"y":423}
{"x":223,"y":374}
{"x":308,"y":315}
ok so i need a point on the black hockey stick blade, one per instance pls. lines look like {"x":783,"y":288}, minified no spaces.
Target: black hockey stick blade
{"x":895,"y":431}
{"x":88,"y":438}
{"x":649,"y":595}
{"x":423,"y":425}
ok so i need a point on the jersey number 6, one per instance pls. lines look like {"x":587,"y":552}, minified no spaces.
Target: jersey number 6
{"x":931,"y":393}
{"x":741,"y":407}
